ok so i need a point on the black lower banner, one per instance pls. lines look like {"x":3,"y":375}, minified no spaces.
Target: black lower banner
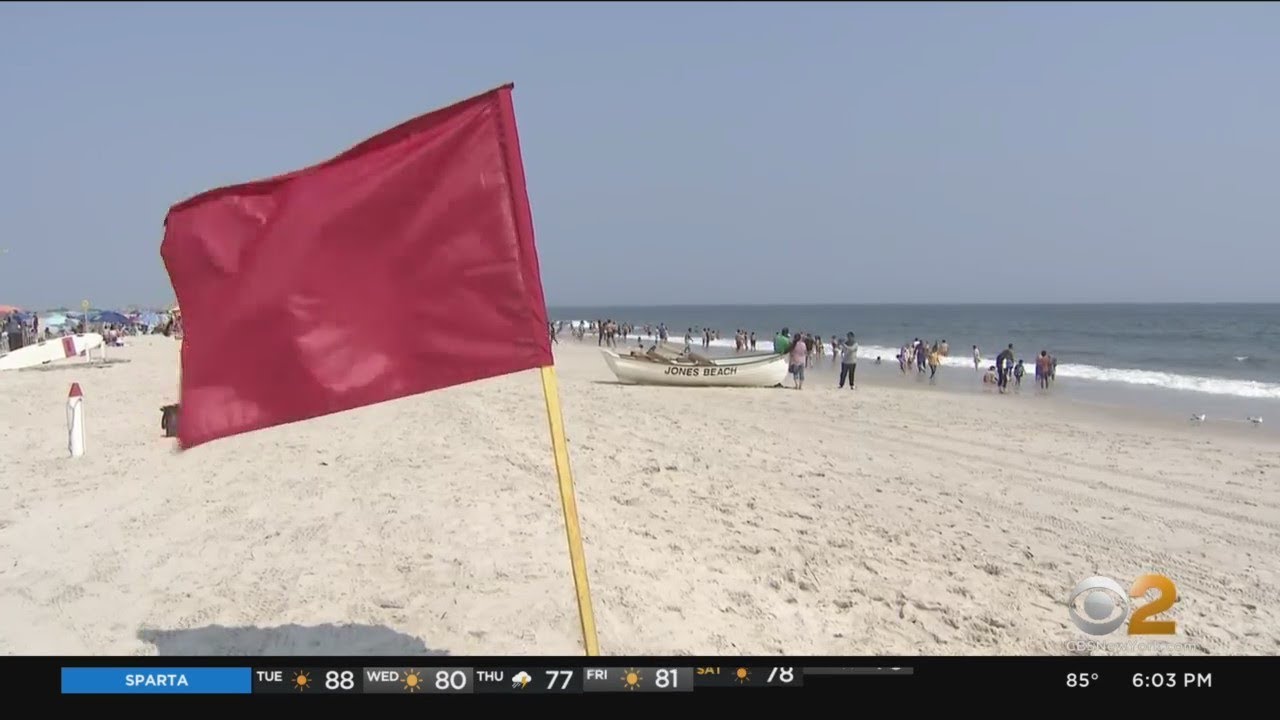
{"x":514,"y":676}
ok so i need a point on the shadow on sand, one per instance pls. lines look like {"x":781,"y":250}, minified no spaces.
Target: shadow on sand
{"x":286,"y":640}
{"x":91,"y":366}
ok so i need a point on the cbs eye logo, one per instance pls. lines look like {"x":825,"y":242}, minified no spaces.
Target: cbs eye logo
{"x":1106,"y":605}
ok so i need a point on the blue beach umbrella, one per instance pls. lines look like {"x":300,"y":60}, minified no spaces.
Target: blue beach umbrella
{"x":109,"y":316}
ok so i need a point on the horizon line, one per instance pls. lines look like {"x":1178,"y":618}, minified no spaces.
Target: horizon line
{"x":918,"y":304}
{"x":971,"y":303}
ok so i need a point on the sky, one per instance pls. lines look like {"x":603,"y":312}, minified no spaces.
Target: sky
{"x":684,"y":152}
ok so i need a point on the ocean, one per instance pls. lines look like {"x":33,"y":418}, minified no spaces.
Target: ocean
{"x":1222,"y":359}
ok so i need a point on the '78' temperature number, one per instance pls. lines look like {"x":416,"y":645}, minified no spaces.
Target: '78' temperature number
{"x":782,"y":675}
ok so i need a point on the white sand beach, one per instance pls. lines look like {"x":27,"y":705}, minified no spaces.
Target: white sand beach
{"x":889,"y":520}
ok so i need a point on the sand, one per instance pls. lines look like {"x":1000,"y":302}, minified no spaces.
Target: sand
{"x":889,"y":520}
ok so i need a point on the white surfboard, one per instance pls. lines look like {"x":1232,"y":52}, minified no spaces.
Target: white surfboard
{"x":47,"y":351}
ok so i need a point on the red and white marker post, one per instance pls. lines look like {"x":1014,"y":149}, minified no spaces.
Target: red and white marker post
{"x":75,"y":421}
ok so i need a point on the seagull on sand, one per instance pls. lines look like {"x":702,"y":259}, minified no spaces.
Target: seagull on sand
{"x":1256,"y":420}
{"x":1197,"y":418}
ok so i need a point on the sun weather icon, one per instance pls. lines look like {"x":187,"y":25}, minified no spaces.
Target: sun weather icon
{"x":632,"y":679}
{"x":301,"y":680}
{"x":742,"y":675}
{"x":412,"y":681}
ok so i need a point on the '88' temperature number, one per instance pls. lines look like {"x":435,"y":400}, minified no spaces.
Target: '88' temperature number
{"x":334,"y":680}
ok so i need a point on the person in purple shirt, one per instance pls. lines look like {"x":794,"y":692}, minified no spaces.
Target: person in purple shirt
{"x":798,"y":354}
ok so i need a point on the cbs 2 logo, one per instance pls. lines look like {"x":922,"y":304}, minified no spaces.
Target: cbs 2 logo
{"x":1099,"y":606}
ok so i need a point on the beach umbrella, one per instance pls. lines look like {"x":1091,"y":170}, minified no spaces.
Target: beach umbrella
{"x":6,"y":309}
{"x":109,"y":316}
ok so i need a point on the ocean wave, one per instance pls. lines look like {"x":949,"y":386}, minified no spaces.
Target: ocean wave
{"x":1093,"y":373}
{"x":1149,"y":378}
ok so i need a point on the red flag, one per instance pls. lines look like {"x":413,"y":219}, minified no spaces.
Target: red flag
{"x":403,"y":265}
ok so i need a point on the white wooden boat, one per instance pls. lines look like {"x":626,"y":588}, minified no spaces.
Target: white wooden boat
{"x":47,"y":351}
{"x":740,"y":371}
{"x":664,"y":353}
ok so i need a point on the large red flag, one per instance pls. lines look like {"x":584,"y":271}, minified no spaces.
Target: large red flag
{"x":403,"y":265}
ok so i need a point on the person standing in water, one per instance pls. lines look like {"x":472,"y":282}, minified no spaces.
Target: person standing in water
{"x":1004,"y":364}
{"x":1042,"y":370}
{"x":977,"y":359}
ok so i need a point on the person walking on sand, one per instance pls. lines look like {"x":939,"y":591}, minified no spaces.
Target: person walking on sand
{"x":1004,"y":364}
{"x":848,"y":361}
{"x":799,"y":354}
{"x":935,"y":359}
{"x":1018,"y":372}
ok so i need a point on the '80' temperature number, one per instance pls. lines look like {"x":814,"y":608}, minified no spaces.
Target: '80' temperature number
{"x":451,"y":680}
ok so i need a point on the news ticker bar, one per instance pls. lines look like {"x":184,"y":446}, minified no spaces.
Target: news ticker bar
{"x":435,"y":680}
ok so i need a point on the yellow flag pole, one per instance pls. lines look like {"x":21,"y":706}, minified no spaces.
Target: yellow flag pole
{"x":577,"y":557}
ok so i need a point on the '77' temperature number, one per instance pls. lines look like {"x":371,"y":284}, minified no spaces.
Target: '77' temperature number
{"x":783,"y":675}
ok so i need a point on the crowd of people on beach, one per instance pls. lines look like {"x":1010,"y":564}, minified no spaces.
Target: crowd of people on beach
{"x":1006,"y":369}
{"x":19,"y":330}
{"x":805,"y":349}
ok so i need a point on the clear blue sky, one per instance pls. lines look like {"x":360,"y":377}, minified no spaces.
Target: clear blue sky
{"x":683,"y":153}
